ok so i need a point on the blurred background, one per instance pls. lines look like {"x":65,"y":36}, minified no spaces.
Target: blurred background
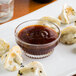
{"x":23,"y":7}
{"x":13,"y":9}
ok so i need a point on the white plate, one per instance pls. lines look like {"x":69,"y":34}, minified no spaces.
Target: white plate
{"x":63,"y":60}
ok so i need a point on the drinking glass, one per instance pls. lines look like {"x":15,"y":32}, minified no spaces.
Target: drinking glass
{"x":6,"y":10}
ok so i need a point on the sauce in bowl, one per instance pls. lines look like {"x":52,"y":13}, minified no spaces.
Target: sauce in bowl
{"x":36,"y":39}
{"x":37,"y":34}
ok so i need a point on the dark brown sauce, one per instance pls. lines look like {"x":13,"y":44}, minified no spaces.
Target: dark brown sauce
{"x":74,"y":75}
{"x":37,"y":34}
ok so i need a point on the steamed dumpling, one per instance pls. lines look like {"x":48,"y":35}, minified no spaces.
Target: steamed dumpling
{"x":68,"y":35}
{"x":67,"y":15}
{"x":49,"y":19}
{"x":32,"y":69}
{"x":12,"y":60}
{"x":4,"y":47}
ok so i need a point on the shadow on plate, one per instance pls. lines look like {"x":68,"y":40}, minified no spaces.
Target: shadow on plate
{"x":74,"y":50}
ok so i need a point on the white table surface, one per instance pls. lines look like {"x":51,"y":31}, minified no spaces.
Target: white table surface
{"x":63,"y":60}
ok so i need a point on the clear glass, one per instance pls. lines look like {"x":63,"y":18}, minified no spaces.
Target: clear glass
{"x":6,"y":10}
{"x":37,"y":50}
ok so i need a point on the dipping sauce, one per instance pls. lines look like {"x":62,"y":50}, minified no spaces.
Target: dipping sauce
{"x":37,"y":34}
{"x":74,"y":75}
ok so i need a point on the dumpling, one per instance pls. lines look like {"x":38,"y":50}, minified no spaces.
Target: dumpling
{"x":68,"y":15}
{"x":12,"y":60}
{"x":32,"y":69}
{"x":4,"y":47}
{"x":50,"y":19}
{"x":68,"y":35}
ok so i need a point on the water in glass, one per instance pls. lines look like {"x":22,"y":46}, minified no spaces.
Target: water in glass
{"x":6,"y":10}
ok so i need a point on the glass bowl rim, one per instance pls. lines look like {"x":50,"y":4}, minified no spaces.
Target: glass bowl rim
{"x":16,"y":37}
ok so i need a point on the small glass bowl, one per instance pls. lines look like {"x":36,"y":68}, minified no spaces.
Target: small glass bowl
{"x":37,"y":50}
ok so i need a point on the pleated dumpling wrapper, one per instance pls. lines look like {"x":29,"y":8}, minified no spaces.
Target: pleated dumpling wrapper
{"x":32,"y":69}
{"x":4,"y":47}
{"x":68,"y":14}
{"x":49,"y":19}
{"x":12,"y":60}
{"x":68,"y":35}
